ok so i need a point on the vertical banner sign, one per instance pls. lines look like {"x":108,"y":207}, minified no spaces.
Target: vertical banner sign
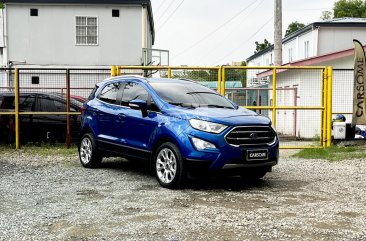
{"x":359,"y":105}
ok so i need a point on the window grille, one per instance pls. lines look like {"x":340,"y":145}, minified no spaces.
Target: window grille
{"x":86,"y":30}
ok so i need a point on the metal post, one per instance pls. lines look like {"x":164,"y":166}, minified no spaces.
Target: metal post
{"x":169,"y":72}
{"x":16,"y":80}
{"x":274,"y":96}
{"x":223,"y":82}
{"x":329,"y":107}
{"x":219,"y":76}
{"x":295,"y":113}
{"x":323,"y":137}
{"x":113,"y":71}
{"x":68,"y":131}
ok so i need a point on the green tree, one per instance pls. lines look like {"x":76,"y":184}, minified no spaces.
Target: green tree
{"x":326,"y":15}
{"x":261,"y":46}
{"x":349,"y":8}
{"x":293,"y":27}
{"x":237,"y":75}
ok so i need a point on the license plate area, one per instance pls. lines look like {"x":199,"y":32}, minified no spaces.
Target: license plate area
{"x":257,"y":155}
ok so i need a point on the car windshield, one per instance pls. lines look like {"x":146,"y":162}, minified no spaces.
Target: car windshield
{"x":190,"y":95}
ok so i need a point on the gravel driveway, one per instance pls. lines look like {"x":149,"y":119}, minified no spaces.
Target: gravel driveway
{"x":54,"y":198}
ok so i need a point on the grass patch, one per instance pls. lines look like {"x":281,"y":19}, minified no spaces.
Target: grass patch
{"x":333,"y":153}
{"x":41,"y":149}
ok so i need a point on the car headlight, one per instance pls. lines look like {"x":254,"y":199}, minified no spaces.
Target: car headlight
{"x":207,"y":126}
{"x":201,"y":144}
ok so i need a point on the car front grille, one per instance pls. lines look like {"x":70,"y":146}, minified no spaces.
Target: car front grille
{"x":250,"y":135}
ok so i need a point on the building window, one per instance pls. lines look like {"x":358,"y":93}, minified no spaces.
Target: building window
{"x":306,"y":49}
{"x":290,"y":55}
{"x":86,"y":30}
{"x":115,"y":13}
{"x":34,"y":12}
{"x":35,"y":80}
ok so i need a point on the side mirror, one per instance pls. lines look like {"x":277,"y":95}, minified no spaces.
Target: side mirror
{"x":139,"y":105}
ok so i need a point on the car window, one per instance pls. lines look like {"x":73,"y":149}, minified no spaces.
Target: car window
{"x":133,"y":91}
{"x":91,"y":96}
{"x":48,"y":104}
{"x":109,"y":93}
{"x":26,"y":103}
{"x":8,"y":102}
{"x":187,"y":94}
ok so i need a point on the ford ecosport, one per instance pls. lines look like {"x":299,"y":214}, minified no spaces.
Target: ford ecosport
{"x":176,"y":125}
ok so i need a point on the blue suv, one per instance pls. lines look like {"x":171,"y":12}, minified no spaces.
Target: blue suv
{"x":178,"y":126}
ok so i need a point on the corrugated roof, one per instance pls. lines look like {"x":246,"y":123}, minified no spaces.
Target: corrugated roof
{"x":345,"y":20}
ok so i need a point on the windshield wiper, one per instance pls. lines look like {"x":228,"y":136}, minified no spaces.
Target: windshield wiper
{"x":219,"y":106}
{"x":185,"y":105}
{"x":201,"y":92}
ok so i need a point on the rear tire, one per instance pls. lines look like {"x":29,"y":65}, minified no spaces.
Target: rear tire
{"x":89,"y":155}
{"x":169,"y":169}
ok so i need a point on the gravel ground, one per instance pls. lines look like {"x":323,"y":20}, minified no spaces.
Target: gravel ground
{"x":54,"y":198}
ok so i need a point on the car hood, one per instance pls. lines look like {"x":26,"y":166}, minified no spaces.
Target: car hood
{"x":238,"y":116}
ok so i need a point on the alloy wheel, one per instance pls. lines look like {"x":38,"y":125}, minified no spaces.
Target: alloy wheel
{"x":166,"y":165}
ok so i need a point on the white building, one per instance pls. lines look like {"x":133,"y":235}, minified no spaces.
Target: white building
{"x":327,"y":43}
{"x":75,"y":32}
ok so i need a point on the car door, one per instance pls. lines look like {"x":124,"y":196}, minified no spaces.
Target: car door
{"x":50,"y":127}
{"x":107,"y":112}
{"x":27,"y":103}
{"x":138,"y":130}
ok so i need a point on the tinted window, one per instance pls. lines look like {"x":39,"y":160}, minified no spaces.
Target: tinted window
{"x":26,"y":103}
{"x":91,"y":96}
{"x":133,"y":91}
{"x":7,"y":102}
{"x":51,"y":105}
{"x":109,"y":93}
{"x":188,"y":94}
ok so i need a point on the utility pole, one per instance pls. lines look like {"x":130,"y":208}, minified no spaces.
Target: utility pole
{"x":278,"y":33}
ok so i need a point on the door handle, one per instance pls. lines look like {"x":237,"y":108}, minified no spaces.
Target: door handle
{"x":95,"y":112}
{"x":121,"y":115}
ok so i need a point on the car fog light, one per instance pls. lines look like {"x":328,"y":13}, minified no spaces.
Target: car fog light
{"x":201,"y":144}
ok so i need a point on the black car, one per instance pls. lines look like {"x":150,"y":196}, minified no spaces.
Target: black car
{"x":38,"y":127}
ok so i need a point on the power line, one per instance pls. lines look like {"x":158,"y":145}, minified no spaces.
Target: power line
{"x":215,"y":30}
{"x":161,"y":26}
{"x":228,"y":35}
{"x":161,"y":4}
{"x":161,"y":16}
{"x":241,"y":44}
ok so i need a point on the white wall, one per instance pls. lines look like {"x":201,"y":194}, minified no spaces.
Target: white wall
{"x":49,"y":38}
{"x":301,"y":123}
{"x":298,"y":47}
{"x":337,"y":38}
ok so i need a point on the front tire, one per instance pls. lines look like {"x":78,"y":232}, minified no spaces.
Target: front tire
{"x":169,"y":168}
{"x":88,"y":152}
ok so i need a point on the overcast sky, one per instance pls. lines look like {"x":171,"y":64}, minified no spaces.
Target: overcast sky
{"x":216,"y":32}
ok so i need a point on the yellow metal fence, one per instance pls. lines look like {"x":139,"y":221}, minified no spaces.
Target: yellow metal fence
{"x":298,"y":100}
{"x":308,"y":108}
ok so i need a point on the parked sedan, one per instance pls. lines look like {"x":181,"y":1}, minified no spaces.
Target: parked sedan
{"x":36,"y":128}
{"x":177,"y":126}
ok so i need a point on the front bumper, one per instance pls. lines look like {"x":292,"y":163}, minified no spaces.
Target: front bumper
{"x":224,"y":156}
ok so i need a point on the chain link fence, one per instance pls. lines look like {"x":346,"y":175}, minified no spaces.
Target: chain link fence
{"x":295,"y":99}
{"x":45,"y":112}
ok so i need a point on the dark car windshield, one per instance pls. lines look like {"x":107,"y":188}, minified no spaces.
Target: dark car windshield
{"x":190,"y":95}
